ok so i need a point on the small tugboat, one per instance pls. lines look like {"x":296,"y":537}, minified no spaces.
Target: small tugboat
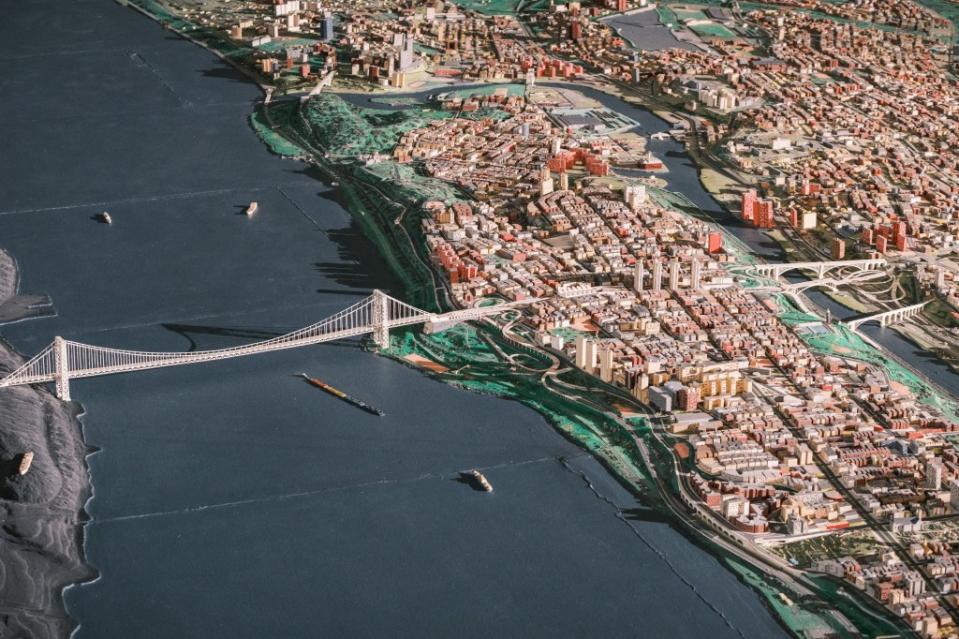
{"x":481,"y":480}
{"x":105,"y":218}
{"x":335,"y":392}
{"x":250,"y":210}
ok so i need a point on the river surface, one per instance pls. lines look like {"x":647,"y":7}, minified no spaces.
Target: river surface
{"x":231,"y":499}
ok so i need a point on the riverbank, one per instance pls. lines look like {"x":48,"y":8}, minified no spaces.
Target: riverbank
{"x":43,"y":510}
{"x":555,"y":487}
{"x":478,"y":360}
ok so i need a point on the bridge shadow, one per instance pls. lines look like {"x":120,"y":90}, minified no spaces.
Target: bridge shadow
{"x":335,"y":291}
{"x":244,"y":334}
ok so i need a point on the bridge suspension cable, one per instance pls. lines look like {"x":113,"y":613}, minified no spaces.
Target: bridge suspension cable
{"x":64,"y":360}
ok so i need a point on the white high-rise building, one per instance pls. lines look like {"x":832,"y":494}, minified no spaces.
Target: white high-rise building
{"x":592,"y":355}
{"x":638,"y":276}
{"x":696,"y":275}
{"x":581,"y":351}
{"x":635,"y":196}
{"x":657,"y":275}
{"x":934,"y":475}
{"x":606,"y":365}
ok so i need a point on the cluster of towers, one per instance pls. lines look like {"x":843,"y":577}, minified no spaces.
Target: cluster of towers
{"x":656,"y":279}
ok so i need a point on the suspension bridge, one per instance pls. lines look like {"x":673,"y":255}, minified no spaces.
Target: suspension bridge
{"x":64,"y":359}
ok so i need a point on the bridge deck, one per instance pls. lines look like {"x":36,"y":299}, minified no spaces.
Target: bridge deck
{"x":64,"y":360}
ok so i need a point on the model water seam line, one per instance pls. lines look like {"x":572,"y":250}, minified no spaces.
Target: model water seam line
{"x":149,"y":198}
{"x":319,"y":491}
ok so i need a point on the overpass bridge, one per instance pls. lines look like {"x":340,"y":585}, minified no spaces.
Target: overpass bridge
{"x":831,"y":283}
{"x":64,"y":360}
{"x":888,"y":317}
{"x":776,"y":270}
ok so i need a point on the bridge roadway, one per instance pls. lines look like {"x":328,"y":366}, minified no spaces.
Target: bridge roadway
{"x":64,"y":360}
{"x":820,"y":268}
{"x":888,"y":317}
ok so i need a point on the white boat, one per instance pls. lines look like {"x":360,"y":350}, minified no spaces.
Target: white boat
{"x":105,"y":218}
{"x":250,"y":210}
{"x":481,"y":480}
{"x":25,"y":462}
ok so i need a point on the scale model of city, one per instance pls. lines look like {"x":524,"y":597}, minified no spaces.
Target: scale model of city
{"x":714,"y":244}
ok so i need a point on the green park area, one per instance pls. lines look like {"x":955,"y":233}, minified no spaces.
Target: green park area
{"x":490,"y":89}
{"x":667,"y":16}
{"x":841,"y":341}
{"x":806,"y":552}
{"x":209,"y":37}
{"x":688,"y":15}
{"x":490,"y":7}
{"x":948,"y":9}
{"x":805,"y":619}
{"x":713,"y":30}
{"x":347,"y":132}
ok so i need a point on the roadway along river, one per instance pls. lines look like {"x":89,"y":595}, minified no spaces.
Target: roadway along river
{"x":232,"y":499}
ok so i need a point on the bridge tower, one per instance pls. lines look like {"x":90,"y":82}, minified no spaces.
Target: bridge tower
{"x":62,"y":376}
{"x":381,"y":315}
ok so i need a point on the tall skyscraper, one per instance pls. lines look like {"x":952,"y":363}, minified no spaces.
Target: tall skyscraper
{"x":606,"y":365}
{"x":406,"y":54}
{"x":748,"y":205}
{"x":326,"y":27}
{"x":581,"y":351}
{"x":934,"y":475}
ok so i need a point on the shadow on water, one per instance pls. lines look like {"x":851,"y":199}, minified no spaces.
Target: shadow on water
{"x":353,"y":249}
{"x":336,"y":291}
{"x":243,"y":335}
{"x":225,"y":73}
{"x":648,"y":515}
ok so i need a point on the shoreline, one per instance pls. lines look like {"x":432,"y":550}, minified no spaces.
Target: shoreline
{"x":616,"y":473}
{"x":44,"y":510}
{"x":607,"y":452}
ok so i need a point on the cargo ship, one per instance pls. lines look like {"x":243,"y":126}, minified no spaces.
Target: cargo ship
{"x":335,"y":392}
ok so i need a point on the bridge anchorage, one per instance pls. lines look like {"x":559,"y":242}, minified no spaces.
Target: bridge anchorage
{"x":64,"y":359}
{"x":888,"y":317}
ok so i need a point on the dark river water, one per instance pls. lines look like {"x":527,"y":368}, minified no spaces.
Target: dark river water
{"x":231,"y":499}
